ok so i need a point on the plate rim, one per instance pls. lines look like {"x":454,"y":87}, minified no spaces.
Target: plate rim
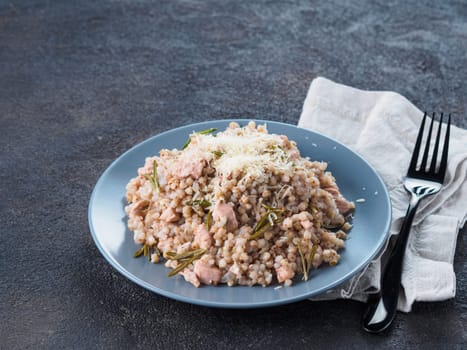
{"x":244,"y":305}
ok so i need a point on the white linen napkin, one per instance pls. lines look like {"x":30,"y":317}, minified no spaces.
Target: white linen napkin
{"x":382,"y":127}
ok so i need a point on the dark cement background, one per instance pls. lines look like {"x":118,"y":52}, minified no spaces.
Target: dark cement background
{"x":82,"y":81}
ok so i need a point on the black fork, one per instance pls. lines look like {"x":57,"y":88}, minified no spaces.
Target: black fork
{"x":421,"y":181}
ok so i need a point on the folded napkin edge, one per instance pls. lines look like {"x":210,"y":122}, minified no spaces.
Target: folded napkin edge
{"x":326,"y":94}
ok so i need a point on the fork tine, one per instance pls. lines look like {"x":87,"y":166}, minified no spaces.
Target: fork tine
{"x":435,"y":150}
{"x":427,"y":146}
{"x":416,"y":151}
{"x":444,"y":157}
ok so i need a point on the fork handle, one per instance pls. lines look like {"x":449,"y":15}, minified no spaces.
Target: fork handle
{"x":382,"y":307}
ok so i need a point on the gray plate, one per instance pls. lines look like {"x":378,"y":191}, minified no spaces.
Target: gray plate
{"x":355,"y":177}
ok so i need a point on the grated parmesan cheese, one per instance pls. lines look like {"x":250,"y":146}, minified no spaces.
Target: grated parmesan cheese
{"x":253,"y":154}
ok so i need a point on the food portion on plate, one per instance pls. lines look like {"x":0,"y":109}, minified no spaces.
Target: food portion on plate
{"x":240,"y":207}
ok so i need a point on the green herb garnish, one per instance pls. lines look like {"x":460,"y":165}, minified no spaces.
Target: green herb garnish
{"x":201,"y":202}
{"x":202,"y":132}
{"x":146,"y":250}
{"x":180,"y":267}
{"x":306,"y":263}
{"x":207,"y":131}
{"x":273,"y":209}
{"x":184,"y":256}
{"x":184,"y":259}
{"x":303,"y":262}
{"x":312,"y":255}
{"x":333,"y":227}
{"x":153,"y":178}
{"x":218,"y":154}
{"x":209,"y":219}
{"x":140,"y":251}
{"x":260,"y":230}
{"x":268,"y":220}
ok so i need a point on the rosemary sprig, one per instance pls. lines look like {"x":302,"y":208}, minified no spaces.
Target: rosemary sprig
{"x":153,"y":178}
{"x":263,"y":221}
{"x":187,"y":142}
{"x":333,"y":227}
{"x":303,"y":262}
{"x":306,"y":263}
{"x":209,"y":220}
{"x":180,"y":267}
{"x":184,"y":259}
{"x":146,"y":250}
{"x":202,"y":132}
{"x":218,"y":154}
{"x":184,"y":256}
{"x":259,"y":232}
{"x":201,"y":202}
{"x":207,"y":131}
{"x":268,"y":220}
{"x":140,"y":251}
{"x":273,"y":209}
{"x":312,"y":255}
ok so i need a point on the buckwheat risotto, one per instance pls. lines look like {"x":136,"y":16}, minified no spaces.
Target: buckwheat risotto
{"x":239,"y":206}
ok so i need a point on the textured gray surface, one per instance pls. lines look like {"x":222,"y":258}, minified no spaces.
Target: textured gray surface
{"x":81,"y":82}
